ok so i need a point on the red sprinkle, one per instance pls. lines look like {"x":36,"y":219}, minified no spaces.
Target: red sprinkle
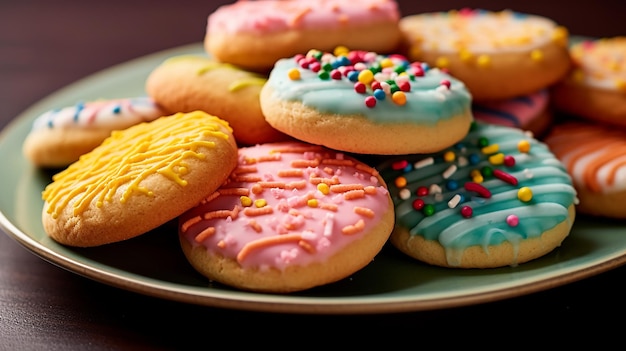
{"x":405,"y":86}
{"x":315,"y":66}
{"x":509,"y":161}
{"x":370,"y":101}
{"x":422,"y":191}
{"x":475,"y":187}
{"x":466,"y":211}
{"x":376,"y":85}
{"x":360,"y":88}
{"x":335,"y":74}
{"x":502,"y":175}
{"x":418,"y":204}
{"x":445,"y":83}
{"x":399,"y":165}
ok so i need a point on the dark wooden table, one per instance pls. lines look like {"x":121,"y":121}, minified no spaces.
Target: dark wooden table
{"x":46,"y":45}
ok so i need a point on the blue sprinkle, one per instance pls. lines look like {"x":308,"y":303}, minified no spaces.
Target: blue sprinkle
{"x":117,"y":109}
{"x":353,"y":76}
{"x":473,"y":159}
{"x":379,"y":94}
{"x":452,"y":184}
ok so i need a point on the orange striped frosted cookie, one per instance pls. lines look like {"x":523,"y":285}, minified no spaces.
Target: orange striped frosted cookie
{"x":138,"y":179}
{"x":595,"y":157}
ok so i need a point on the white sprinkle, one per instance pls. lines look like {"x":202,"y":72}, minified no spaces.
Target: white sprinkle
{"x":424,"y":162}
{"x":448,"y":172}
{"x":454,"y":201}
{"x":405,"y":194}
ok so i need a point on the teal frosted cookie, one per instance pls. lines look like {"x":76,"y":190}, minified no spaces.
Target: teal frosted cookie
{"x":367,"y":103}
{"x":499,"y":197}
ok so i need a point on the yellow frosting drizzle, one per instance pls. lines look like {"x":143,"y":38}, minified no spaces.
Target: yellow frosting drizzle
{"x":129,"y":156}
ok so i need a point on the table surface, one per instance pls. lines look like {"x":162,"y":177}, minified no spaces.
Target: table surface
{"x":46,"y":45}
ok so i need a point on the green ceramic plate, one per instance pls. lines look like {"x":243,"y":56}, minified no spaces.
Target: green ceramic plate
{"x":153,"y":264}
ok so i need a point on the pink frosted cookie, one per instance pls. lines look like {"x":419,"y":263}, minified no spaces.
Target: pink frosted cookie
{"x":595,"y":157}
{"x":59,"y":137}
{"x":254,"y":34}
{"x":529,"y":112}
{"x":595,"y":88}
{"x":292,"y":216}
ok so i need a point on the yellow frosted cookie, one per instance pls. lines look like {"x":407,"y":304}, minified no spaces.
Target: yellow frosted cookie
{"x":188,"y":83}
{"x":138,"y":179}
{"x":497,"y":54}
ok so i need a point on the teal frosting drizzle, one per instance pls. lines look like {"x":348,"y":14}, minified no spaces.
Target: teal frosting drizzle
{"x":428,"y":101}
{"x":538,"y":169}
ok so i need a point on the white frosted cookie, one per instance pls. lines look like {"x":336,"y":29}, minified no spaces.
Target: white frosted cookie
{"x":59,"y":137}
{"x":595,"y":88}
{"x":497,"y":54}
{"x":138,"y":179}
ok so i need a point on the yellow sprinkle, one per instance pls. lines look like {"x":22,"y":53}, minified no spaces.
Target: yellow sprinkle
{"x":491,"y":149}
{"x":399,"y":97}
{"x":483,"y":61}
{"x":523,"y":146}
{"x":312,"y":53}
{"x":400,"y":182}
{"x":341,"y":50}
{"x":260,"y":203}
{"x":449,"y":156}
{"x":536,"y":55}
{"x":560,"y":36}
{"x":442,"y":62}
{"x":478,"y":178}
{"x":245,"y":201}
{"x":465,"y":55}
{"x":323,"y":188}
{"x":386,"y":62}
{"x":311,"y":203}
{"x":525,"y":194}
{"x":366,"y":76}
{"x":294,"y":74}
{"x":474,"y":173}
{"x":497,"y":159}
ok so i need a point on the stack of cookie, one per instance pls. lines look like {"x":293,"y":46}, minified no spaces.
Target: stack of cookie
{"x":268,"y":153}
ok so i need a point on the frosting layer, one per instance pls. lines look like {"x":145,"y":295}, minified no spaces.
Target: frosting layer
{"x":267,"y":16}
{"x":600,"y":63}
{"x":110,"y":114}
{"x":383,"y":88}
{"x":287,"y":204}
{"x":498,"y":184}
{"x":516,"y":112}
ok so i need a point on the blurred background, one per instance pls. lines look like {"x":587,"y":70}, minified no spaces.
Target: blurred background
{"x":45,"y":45}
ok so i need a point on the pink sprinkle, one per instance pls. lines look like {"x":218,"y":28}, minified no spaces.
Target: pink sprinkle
{"x":505,"y":176}
{"x":475,"y":187}
{"x":512,"y":220}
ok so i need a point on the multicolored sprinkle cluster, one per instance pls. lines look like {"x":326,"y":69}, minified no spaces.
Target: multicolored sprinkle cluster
{"x":457,"y":158}
{"x":377,"y":77}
